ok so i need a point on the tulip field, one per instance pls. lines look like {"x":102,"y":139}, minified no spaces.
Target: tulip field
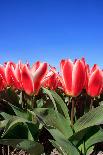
{"x":42,"y":110}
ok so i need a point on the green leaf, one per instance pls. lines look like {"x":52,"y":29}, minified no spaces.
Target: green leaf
{"x":92,"y":118}
{"x":78,"y":137}
{"x":5,"y":115}
{"x":57,"y":146}
{"x":15,"y":124}
{"x":14,"y":121}
{"x":3,"y":123}
{"x":40,"y":103}
{"x":50,"y":117}
{"x":96,"y":138}
{"x":61,"y":106}
{"x":31,"y":147}
{"x":33,"y":130}
{"x":50,"y":96}
{"x":19,"y":112}
{"x":90,"y":150}
{"x":62,"y":144}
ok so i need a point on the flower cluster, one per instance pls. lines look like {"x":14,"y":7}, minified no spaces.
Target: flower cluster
{"x":78,"y":75}
{"x":72,"y":79}
{"x":22,"y":76}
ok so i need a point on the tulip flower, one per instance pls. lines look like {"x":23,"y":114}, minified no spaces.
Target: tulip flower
{"x":95,"y":81}
{"x":35,"y":66}
{"x":73,"y":75}
{"x":31,"y":78}
{"x":51,"y":79}
{"x":11,"y":76}
{"x":2,"y":78}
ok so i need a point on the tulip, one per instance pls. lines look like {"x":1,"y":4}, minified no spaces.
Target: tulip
{"x":2,"y":78}
{"x":31,"y":78}
{"x":73,"y":75}
{"x":35,"y":66}
{"x":51,"y":79}
{"x":11,"y":75}
{"x":95,"y":81}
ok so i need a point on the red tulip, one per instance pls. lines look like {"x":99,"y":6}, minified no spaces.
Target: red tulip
{"x":32,"y":80}
{"x":51,"y":80}
{"x":95,"y":81}
{"x":35,"y":66}
{"x":73,"y":76}
{"x":11,"y":77}
{"x":2,"y":78}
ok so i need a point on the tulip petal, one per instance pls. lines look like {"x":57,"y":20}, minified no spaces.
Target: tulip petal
{"x":34,"y":67}
{"x":27,"y":80}
{"x":38,"y":76}
{"x":1,"y":84}
{"x":62,"y":63}
{"x":78,"y":77}
{"x":95,"y":83}
{"x":2,"y":72}
{"x":67,"y":76}
{"x":10,"y":76}
{"x":94,"y":68}
{"x":17,"y":73}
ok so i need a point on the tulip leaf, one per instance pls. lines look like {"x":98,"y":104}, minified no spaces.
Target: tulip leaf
{"x":19,"y":112}
{"x":40,"y":103}
{"x":32,"y":147}
{"x":60,"y":105}
{"x":78,"y":137}
{"x":90,"y":151}
{"x":92,"y":118}
{"x":57,"y":146}
{"x":3,"y":123}
{"x":12,"y":123}
{"x":63,"y":144}
{"x":51,"y":97}
{"x":16,"y":125}
{"x":95,"y":138}
{"x":5,"y":115}
{"x":50,"y":117}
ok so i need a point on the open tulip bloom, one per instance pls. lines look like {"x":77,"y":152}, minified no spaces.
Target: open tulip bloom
{"x":42,"y":109}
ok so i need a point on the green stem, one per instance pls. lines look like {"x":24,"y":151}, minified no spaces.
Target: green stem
{"x":91,"y":104}
{"x":72,"y":112}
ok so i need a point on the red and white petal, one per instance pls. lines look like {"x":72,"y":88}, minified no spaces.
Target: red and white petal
{"x":39,"y":75}
{"x":2,"y":72}
{"x":95,"y":83}
{"x":11,"y":77}
{"x":34,"y":67}
{"x":27,"y":80}
{"x":67,"y":69}
{"x":78,"y":77}
{"x":95,"y":67}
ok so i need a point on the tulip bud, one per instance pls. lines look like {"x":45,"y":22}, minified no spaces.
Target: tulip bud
{"x":95,"y":82}
{"x":73,"y":76}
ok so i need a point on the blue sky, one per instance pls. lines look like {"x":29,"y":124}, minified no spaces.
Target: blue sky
{"x":49,"y":30}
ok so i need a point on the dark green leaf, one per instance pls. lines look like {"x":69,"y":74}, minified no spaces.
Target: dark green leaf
{"x":61,"y":106}
{"x":5,"y":115}
{"x":19,"y":112}
{"x":95,"y":138}
{"x":50,"y":96}
{"x":92,"y":118}
{"x":66,"y":147}
{"x":54,"y":119}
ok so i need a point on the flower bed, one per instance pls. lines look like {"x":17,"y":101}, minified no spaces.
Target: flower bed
{"x":42,"y":110}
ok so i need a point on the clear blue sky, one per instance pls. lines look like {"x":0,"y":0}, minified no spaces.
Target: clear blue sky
{"x":49,"y":30}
